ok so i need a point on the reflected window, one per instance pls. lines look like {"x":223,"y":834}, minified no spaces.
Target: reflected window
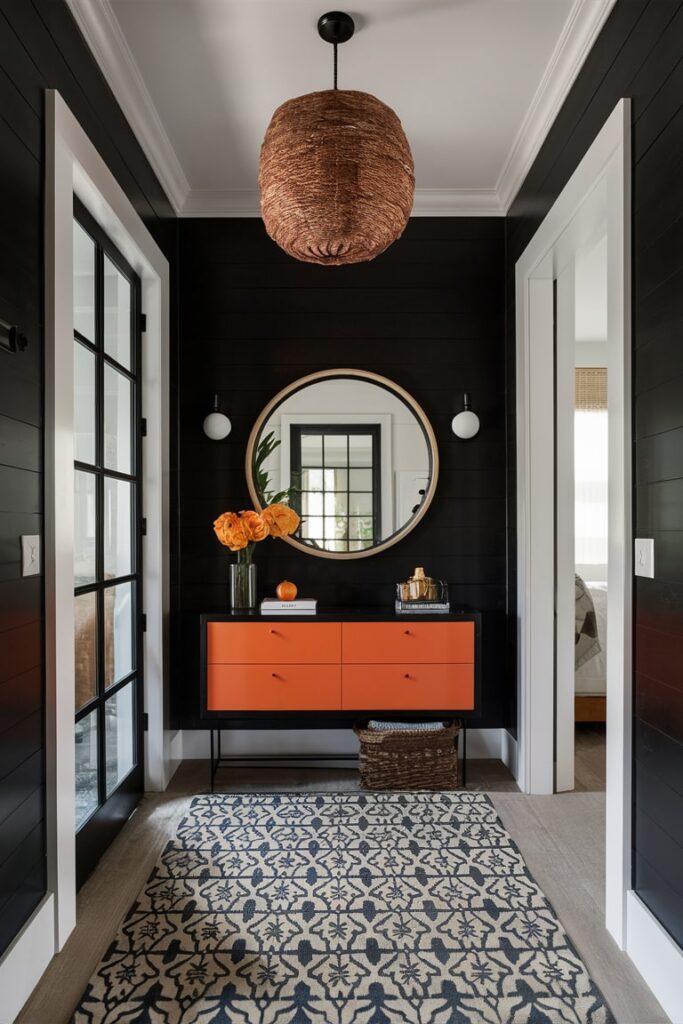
{"x":335,"y":473}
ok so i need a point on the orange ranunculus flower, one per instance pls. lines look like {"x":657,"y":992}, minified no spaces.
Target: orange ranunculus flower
{"x":254,"y":525}
{"x":281,"y":519}
{"x":230,"y":531}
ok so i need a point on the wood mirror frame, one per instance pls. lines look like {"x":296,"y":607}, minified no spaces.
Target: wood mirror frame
{"x":371,"y":378}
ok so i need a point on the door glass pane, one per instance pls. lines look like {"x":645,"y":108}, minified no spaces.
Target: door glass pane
{"x":84,"y":283}
{"x":360,"y":479}
{"x":85,"y":630}
{"x":360,"y":529}
{"x":336,"y":479}
{"x":117,"y":303}
{"x":118,"y":551}
{"x":119,"y":736}
{"x":118,"y":417}
{"x":312,"y":479}
{"x":118,"y":633}
{"x":85,"y":521}
{"x":336,"y":450}
{"x":86,"y":767}
{"x":360,"y":504}
{"x":311,"y":450}
{"x":360,"y":450}
{"x":335,"y":504}
{"x":312,"y":503}
{"x":84,"y":404}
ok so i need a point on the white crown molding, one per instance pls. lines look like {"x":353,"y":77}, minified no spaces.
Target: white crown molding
{"x":452,"y":202}
{"x":102,"y":32}
{"x":104,"y":35}
{"x":457,"y":202}
{"x":580,"y":31}
{"x":228,"y":202}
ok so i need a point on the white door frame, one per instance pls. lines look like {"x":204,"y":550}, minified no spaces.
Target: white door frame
{"x":595,"y":201}
{"x":74,"y":167}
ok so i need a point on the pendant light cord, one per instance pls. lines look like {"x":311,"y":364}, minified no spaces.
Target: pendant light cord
{"x":335,"y":65}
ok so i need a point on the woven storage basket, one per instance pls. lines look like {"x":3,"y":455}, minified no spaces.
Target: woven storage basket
{"x":409,"y":759}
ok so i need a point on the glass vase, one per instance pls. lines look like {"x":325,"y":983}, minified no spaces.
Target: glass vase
{"x":242,"y":586}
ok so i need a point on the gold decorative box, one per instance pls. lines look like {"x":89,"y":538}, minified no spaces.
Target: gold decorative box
{"x":420,"y":587}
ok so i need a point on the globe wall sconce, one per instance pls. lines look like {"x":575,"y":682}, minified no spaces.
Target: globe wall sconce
{"x":466,"y":423}
{"x":216,"y":425}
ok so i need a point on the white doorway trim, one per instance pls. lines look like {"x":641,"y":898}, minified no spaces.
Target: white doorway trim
{"x":73,"y":166}
{"x":595,"y":201}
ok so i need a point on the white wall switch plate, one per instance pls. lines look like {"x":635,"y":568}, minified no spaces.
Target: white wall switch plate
{"x":644,"y":557}
{"x":30,"y":555}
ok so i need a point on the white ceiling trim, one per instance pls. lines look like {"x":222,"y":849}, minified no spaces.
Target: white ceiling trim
{"x":428,"y":203}
{"x":581,"y":29}
{"x":102,"y":31}
{"x":104,"y":36}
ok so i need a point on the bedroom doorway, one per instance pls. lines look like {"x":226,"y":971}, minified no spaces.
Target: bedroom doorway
{"x":591,"y":516}
{"x":592,"y":207}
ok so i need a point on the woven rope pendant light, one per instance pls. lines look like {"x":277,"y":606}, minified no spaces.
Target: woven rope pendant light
{"x":336,"y":173}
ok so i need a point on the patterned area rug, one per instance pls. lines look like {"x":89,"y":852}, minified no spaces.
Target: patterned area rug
{"x":342,"y":908}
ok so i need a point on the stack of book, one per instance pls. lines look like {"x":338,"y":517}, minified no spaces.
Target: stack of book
{"x":422,"y":607}
{"x":300,"y":606}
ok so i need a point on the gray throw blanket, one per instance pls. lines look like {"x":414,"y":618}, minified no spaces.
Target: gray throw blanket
{"x":586,"y":639}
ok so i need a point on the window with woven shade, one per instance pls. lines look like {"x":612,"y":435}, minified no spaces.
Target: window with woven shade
{"x":591,"y":387}
{"x":591,"y":471}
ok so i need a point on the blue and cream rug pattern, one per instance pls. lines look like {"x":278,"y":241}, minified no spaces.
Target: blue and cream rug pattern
{"x":341,"y":908}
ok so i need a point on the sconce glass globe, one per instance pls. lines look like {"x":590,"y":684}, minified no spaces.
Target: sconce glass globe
{"x":217,"y":426}
{"x":465,"y":424}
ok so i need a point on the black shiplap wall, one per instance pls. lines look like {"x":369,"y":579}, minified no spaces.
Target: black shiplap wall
{"x":639,"y":54}
{"x":428,"y":314}
{"x":40,"y":47}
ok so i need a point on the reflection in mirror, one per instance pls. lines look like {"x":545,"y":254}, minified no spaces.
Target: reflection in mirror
{"x":354,"y":456}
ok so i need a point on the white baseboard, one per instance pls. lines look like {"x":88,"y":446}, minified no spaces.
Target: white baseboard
{"x":24,"y":962}
{"x":481,"y":743}
{"x":656,"y":956}
{"x":508,"y":751}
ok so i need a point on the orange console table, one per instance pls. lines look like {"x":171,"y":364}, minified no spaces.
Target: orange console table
{"x":329,"y":670}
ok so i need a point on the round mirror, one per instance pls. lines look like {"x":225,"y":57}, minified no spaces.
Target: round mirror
{"x":353,"y":453}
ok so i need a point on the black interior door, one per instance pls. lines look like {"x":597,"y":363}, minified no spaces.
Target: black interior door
{"x":109,"y":710}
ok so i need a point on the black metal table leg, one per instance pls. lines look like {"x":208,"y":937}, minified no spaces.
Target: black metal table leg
{"x":211,"y":770}
{"x":218,"y":759}
{"x":464,"y":755}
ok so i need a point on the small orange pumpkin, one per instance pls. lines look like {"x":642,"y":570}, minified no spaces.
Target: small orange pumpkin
{"x":286,"y":591}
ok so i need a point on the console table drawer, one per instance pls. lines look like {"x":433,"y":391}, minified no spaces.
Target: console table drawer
{"x":253,"y":643}
{"x":273,"y":687}
{"x":408,"y":687}
{"x":407,"y":643}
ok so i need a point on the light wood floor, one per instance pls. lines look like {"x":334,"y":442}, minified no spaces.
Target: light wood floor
{"x":589,"y":757}
{"x":561,"y":838}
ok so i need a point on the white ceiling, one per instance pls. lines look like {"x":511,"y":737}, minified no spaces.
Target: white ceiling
{"x":476,"y":84}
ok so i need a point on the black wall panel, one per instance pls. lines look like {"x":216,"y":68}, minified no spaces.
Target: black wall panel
{"x":427,"y":314}
{"x":40,"y":47}
{"x":639,"y":54}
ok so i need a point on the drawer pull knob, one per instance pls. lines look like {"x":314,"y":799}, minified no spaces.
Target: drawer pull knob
{"x":275,"y":675}
{"x":407,"y":632}
{"x":274,"y":632}
{"x":407,"y":676}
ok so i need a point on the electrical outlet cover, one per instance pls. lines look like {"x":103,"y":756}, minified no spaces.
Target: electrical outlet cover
{"x":644,"y":557}
{"x":30,"y":555}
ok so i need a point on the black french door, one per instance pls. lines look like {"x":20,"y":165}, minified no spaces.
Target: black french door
{"x":109,"y":713}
